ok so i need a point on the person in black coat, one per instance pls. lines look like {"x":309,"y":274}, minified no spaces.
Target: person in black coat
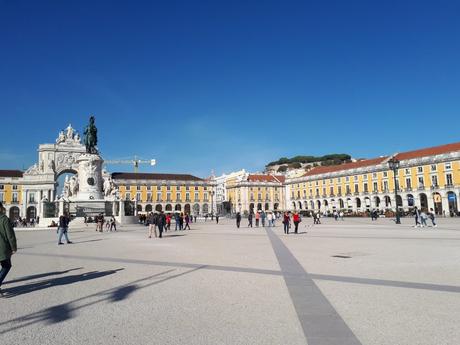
{"x":238,"y":219}
{"x":161,"y":221}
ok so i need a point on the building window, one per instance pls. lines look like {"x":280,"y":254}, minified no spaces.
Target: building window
{"x":356,"y":188}
{"x":1,"y":197}
{"x":339,"y":189}
{"x":149,"y":196}
{"x":259,"y":196}
{"x":433,"y":167}
{"x":177,"y":196}
{"x":348,"y":189}
{"x":421,"y":183}
{"x":324,"y":191}
{"x":168,"y":187}
{"x":407,"y":171}
{"x":316,"y":182}
{"x":15,"y":187}
{"x":317,"y":192}
{"x":196,"y":197}
{"x":365,"y":188}
{"x":385,"y":174}
{"x":375,"y":188}
{"x":138,"y":187}
{"x":374,"y":175}
{"x":311,"y":191}
{"x":168,"y":196}
{"x":187,"y":188}
{"x":408,"y":183}
{"x":332,"y":191}
{"x":385,"y":186}
{"x":128,"y":196}
{"x":449,"y":179}
{"x":434,"y":181}
{"x":339,"y":180}
{"x":355,"y":177}
{"x":205,"y":196}
{"x":420,"y":170}
{"x":138,"y":196}
{"x":159,"y":196}
{"x":32,"y":198}
{"x":365,"y":177}
{"x":2,"y":187}
{"x":448,"y":166}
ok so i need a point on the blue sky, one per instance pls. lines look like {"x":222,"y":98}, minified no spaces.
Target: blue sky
{"x":224,"y":85}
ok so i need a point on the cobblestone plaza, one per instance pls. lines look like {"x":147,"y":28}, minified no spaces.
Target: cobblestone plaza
{"x":350,"y":282}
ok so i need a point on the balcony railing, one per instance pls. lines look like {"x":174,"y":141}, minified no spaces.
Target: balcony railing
{"x":449,"y":185}
{"x":434,"y":187}
{"x":421,"y":187}
{"x":375,"y":191}
{"x":408,"y":189}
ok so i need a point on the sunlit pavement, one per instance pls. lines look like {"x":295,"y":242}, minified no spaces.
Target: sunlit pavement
{"x":350,"y":282}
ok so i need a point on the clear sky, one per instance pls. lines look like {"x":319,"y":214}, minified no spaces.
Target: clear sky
{"x":225,"y":85}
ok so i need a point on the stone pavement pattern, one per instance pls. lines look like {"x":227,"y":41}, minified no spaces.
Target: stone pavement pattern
{"x":219,"y":285}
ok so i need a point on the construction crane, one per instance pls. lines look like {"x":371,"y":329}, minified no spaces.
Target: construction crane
{"x":135,"y":162}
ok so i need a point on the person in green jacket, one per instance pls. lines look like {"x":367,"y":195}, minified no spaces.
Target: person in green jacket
{"x":7,"y":244}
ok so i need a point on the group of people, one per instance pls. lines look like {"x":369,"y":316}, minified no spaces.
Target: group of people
{"x":25,"y":223}
{"x":260,"y":217}
{"x":162,"y":222}
{"x":421,"y":218}
{"x":110,"y":225}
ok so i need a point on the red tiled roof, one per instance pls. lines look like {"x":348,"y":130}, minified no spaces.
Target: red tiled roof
{"x":266,"y":178}
{"x":347,"y":166}
{"x":430,"y":151}
{"x":11,"y":173}
{"x":151,"y":176}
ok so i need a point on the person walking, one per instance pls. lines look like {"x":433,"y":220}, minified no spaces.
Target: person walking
{"x":8,"y":245}
{"x":286,"y":223}
{"x":318,"y":218}
{"x":152,"y":225}
{"x":416,"y":217}
{"x":161,"y":221}
{"x":187,"y":221}
{"x":250,"y":220}
{"x":341,"y":215}
{"x":423,"y":218}
{"x":168,"y":221}
{"x":181,"y":221}
{"x":176,"y":219}
{"x":269,"y":218}
{"x":257,"y":218}
{"x":63,"y":227}
{"x":113,"y":224}
{"x":296,"y":220}
{"x":217,"y":219}
{"x":262,"y":218}
{"x":432,"y":217}
{"x":238,"y":220}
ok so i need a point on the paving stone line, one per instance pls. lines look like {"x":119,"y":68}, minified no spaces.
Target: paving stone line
{"x":321,"y":323}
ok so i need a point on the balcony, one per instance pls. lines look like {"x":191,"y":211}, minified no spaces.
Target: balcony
{"x":348,"y":193}
{"x":188,"y":200}
{"x":408,"y":189}
{"x":375,"y":191}
{"x":421,"y":187}
{"x":449,"y":185}
{"x":433,"y":187}
{"x":339,"y":194}
{"x":356,"y":193}
{"x":332,"y":195}
{"x":366,"y":192}
{"x":317,"y":196}
{"x":324,"y":196}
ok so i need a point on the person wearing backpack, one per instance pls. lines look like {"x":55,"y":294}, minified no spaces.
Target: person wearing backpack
{"x":7,"y":244}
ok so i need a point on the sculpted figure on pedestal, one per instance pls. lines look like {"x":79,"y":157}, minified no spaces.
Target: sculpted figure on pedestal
{"x":91,"y":137}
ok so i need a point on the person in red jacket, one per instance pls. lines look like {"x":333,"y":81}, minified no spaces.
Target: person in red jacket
{"x":296,"y":220}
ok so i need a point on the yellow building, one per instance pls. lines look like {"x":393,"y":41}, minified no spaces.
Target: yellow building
{"x":11,"y":194}
{"x":166,"y":192}
{"x":426,"y":178}
{"x":252,"y":192}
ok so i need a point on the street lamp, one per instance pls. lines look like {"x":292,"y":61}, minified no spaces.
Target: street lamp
{"x":393,"y":163}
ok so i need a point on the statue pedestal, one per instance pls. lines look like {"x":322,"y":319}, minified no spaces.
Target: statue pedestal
{"x":89,"y":177}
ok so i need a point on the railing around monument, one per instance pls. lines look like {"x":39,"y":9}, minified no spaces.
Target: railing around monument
{"x":129,"y":208}
{"x":50,"y":209}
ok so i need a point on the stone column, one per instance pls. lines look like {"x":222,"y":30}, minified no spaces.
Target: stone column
{"x":121,"y":209}
{"x":135,"y":207}
{"x":445,"y":204}
{"x":114,"y":208}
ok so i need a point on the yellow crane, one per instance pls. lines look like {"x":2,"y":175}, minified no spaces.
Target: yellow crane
{"x":135,"y":162}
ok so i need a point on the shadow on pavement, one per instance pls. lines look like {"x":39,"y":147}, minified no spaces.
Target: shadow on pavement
{"x":61,"y":281}
{"x":41,"y":275}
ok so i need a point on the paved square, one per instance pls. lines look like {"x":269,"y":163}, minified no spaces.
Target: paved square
{"x":217,"y":284}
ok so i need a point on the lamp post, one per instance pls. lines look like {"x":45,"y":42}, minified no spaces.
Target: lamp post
{"x":393,"y":163}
